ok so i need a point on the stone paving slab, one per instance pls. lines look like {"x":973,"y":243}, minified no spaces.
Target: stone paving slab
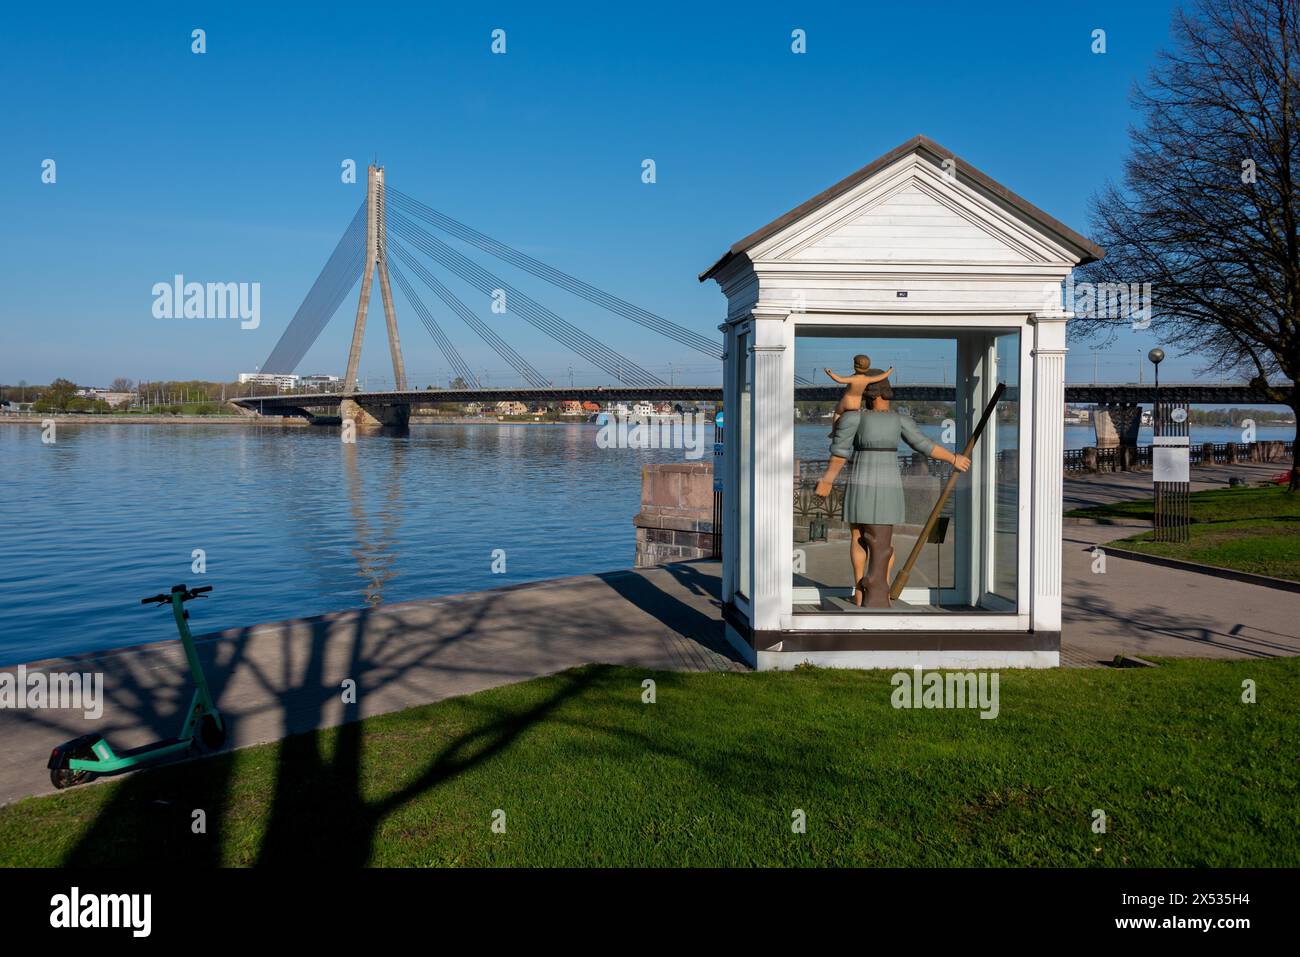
{"x":1139,"y":609}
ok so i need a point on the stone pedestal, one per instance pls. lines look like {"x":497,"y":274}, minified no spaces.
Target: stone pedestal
{"x":676,"y":519}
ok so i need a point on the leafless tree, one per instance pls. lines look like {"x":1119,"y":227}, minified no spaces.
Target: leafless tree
{"x":1207,"y":213}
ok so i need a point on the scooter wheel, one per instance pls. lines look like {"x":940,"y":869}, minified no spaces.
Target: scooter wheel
{"x":213,"y":735}
{"x":66,"y":777}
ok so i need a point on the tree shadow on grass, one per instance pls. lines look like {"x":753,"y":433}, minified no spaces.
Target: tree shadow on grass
{"x":320,"y":816}
{"x":317,"y":812}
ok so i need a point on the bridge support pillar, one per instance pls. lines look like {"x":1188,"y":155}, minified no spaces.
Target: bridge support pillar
{"x":375,"y":416}
{"x":376,"y":260}
{"x":1117,"y":425}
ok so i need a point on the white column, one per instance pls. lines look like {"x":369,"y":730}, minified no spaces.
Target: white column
{"x":1049,"y":441}
{"x":730,"y":463}
{"x":772,"y":497}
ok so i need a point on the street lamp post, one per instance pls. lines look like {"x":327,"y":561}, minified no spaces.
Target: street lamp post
{"x":1157,"y":356}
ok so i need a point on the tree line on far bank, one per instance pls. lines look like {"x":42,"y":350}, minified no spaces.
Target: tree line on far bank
{"x":189,"y":397}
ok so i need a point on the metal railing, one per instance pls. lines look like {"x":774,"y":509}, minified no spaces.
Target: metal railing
{"x":1129,"y":458}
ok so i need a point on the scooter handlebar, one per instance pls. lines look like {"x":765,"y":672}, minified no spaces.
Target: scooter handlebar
{"x":185,"y":593}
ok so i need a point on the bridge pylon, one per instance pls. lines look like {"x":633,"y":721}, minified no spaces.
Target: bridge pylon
{"x":376,"y":261}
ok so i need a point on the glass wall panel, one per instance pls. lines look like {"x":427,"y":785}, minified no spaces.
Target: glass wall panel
{"x":1004,"y":447}
{"x":967,"y":557}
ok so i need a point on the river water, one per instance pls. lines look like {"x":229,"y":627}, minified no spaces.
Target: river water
{"x":292,"y":522}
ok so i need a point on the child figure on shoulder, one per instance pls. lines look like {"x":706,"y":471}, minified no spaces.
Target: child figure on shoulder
{"x":855,"y":385}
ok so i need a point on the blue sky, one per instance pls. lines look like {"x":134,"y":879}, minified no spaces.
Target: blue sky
{"x":225,"y":166}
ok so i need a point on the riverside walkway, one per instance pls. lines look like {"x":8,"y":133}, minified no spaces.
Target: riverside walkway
{"x":278,"y":679}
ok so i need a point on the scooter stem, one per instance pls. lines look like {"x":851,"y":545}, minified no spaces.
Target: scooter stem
{"x":191,"y":654}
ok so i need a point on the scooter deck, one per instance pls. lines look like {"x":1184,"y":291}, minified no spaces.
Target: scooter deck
{"x":108,"y":761}
{"x":145,"y":749}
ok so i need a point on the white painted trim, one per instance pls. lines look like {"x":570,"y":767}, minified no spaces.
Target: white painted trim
{"x":772,"y":495}
{"x":912,"y":595}
{"x":936,"y":323}
{"x":972,"y":660}
{"x":1048,"y":443}
{"x":915,"y":269}
{"x":1025,"y":497}
{"x":873,"y":621}
{"x":986,"y":210}
{"x":730,"y":466}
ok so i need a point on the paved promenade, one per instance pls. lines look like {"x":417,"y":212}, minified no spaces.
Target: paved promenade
{"x":277,"y":679}
{"x":1140,"y":609}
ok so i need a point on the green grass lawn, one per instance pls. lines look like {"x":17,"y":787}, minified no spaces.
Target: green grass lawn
{"x":710,"y":774}
{"x":1251,"y":529}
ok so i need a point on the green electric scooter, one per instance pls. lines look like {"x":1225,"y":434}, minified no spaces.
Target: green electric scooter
{"x":90,"y":756}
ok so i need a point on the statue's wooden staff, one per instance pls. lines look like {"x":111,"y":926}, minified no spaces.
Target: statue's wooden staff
{"x":901,"y":580}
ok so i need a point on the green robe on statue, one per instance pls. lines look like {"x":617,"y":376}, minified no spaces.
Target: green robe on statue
{"x":869,"y":440}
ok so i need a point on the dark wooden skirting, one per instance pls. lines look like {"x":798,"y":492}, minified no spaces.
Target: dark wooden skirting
{"x":790,"y":640}
{"x":738,"y":620}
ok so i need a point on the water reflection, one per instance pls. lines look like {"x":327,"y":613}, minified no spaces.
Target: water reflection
{"x":374,"y":548}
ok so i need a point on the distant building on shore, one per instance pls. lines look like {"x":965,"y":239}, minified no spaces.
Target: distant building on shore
{"x":285,"y":382}
{"x":327,"y":383}
{"x":103,"y":395}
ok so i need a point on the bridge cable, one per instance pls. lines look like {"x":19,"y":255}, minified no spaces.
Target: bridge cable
{"x":318,"y":307}
{"x":454,"y":358}
{"x":532,"y":312}
{"x":578,"y":287}
{"x":556,"y":277}
{"x":485,"y":332}
{"x":339,"y":274}
{"x":537,"y":315}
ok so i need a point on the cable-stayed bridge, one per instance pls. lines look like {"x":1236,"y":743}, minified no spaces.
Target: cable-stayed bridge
{"x":363,"y":252}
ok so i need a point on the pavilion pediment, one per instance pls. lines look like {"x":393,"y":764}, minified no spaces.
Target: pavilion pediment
{"x":918,"y":204}
{"x":914,"y":212}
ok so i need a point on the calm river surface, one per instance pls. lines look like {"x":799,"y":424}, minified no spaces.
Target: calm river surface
{"x":294,"y":522}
